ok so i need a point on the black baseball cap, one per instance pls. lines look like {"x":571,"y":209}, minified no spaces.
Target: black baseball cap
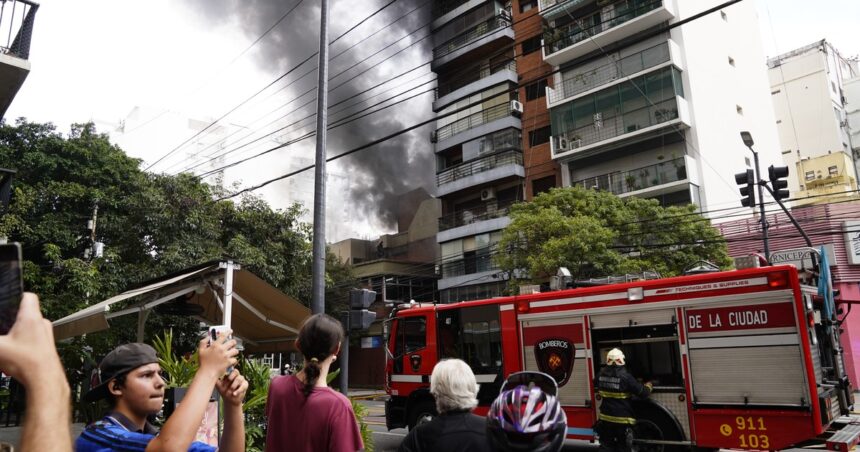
{"x":120,"y":360}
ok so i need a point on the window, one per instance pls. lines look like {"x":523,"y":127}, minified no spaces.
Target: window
{"x":473,"y":335}
{"x":833,"y":170}
{"x":411,"y":336}
{"x":731,"y":61}
{"x":543,"y":185}
{"x":809,"y":175}
{"x":527,"y":5}
{"x":539,"y":136}
{"x":776,"y":92}
{"x":531,"y":45}
{"x":739,"y":109}
{"x":724,"y":16}
{"x":536,"y":90}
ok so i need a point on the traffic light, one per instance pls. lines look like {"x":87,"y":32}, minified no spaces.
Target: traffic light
{"x":747,"y":182}
{"x":359,"y":317}
{"x":776,"y":174}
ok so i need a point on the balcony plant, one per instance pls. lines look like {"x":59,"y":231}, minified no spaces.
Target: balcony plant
{"x":630,"y":181}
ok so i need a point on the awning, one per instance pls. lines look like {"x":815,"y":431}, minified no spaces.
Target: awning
{"x":265,"y":318}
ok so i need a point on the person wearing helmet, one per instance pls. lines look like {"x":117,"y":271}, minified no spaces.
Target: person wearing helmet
{"x":527,"y":416}
{"x":616,"y":387}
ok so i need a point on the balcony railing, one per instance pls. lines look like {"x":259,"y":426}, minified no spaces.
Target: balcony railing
{"x":578,"y":81}
{"x":470,"y":35}
{"x":482,"y":72}
{"x":468,"y":216}
{"x":509,"y":157}
{"x":621,"y":182}
{"x":469,"y":265}
{"x":474,"y":120}
{"x":559,"y":6}
{"x":575,"y":32}
{"x":607,"y":128}
{"x":16,"y":27}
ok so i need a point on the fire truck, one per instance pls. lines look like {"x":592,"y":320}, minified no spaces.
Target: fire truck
{"x":742,"y":359}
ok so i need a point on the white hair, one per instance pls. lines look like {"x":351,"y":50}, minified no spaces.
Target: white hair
{"x":453,"y":385}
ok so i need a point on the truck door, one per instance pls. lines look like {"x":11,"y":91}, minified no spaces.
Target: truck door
{"x":412,"y":356}
{"x":473,"y":335}
{"x":649,"y":340}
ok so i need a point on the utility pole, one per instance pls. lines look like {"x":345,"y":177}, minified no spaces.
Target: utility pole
{"x":748,"y":141}
{"x":318,"y":279}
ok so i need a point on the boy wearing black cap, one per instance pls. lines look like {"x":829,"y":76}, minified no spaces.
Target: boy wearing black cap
{"x":130,"y":377}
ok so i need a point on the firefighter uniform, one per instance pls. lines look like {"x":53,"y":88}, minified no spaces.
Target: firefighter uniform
{"x":616,"y":387}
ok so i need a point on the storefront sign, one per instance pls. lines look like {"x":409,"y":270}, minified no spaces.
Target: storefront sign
{"x":801,"y":257}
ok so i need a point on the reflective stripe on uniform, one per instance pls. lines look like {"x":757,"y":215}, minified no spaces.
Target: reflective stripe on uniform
{"x":613,"y":395}
{"x":616,"y":419}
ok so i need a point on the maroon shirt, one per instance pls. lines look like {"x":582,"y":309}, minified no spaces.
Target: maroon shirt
{"x":323,"y":421}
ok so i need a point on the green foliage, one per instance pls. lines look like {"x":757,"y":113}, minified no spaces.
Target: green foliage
{"x":151,"y":225}
{"x":594,"y":233}
{"x":366,"y":434}
{"x":179,"y":370}
{"x":259,"y":377}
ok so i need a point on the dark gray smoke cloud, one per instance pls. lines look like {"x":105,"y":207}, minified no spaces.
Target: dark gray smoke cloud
{"x":378,"y":175}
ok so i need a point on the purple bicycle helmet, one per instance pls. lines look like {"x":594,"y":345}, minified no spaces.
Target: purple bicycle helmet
{"x":527,"y":417}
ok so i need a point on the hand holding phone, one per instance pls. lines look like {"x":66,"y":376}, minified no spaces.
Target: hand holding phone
{"x":224,"y":332}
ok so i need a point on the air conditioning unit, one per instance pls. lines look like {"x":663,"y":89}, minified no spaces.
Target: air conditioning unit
{"x":563,"y":143}
{"x":488,"y":194}
{"x":505,"y":15}
{"x":433,"y":137}
{"x":516,"y":108}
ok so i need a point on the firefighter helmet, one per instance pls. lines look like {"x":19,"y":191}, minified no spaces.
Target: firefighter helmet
{"x":526,"y":419}
{"x":615,"y":357}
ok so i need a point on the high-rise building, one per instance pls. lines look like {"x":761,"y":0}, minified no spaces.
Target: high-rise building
{"x":641,"y":108}
{"x":807,"y":86}
{"x":589,"y":93}
{"x":480,"y":168}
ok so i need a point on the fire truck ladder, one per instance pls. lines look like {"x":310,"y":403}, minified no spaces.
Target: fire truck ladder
{"x":848,"y":436}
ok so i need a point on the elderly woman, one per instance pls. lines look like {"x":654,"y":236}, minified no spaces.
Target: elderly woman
{"x":456,"y":429}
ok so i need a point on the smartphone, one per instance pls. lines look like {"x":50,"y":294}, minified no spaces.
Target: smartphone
{"x":11,"y":284}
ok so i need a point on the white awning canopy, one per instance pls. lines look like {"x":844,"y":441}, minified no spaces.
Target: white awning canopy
{"x":265,"y":318}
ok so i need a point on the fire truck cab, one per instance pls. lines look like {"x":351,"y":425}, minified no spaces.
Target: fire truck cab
{"x":746,"y":359}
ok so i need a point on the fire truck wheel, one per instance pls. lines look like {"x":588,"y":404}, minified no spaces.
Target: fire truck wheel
{"x":652,"y":422}
{"x":421,"y":413}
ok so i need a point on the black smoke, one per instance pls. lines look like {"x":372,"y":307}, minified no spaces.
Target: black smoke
{"x":380,"y":174}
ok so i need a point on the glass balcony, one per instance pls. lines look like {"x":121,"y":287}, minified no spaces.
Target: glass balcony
{"x":611,"y":23}
{"x":484,"y":116}
{"x":470,"y":265}
{"x":550,"y":9}
{"x":621,"y":182}
{"x":485,"y":70}
{"x":485,"y":212}
{"x":442,"y":7}
{"x":471,"y":35}
{"x":463,"y":170}
{"x":623,"y":109}
{"x":577,"y":81}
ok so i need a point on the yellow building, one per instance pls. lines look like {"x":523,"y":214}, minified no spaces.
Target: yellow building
{"x":824,"y":179}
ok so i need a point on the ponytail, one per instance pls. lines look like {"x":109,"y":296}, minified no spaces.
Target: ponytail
{"x":318,"y":339}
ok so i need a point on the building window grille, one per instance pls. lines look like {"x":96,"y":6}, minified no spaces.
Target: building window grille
{"x":809,"y":175}
{"x":833,"y":170}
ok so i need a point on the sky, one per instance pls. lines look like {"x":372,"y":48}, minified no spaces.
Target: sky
{"x":165,"y":62}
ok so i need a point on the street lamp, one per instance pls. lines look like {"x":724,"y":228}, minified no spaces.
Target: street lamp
{"x":748,"y":142}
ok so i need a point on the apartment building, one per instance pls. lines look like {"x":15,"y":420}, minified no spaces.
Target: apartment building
{"x":16,"y":30}
{"x":810,"y":101}
{"x":480,"y":167}
{"x":641,"y":108}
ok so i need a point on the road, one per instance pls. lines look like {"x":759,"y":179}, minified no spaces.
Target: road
{"x":388,"y":441}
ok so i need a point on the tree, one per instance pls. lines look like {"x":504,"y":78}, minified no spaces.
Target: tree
{"x":151,"y":225}
{"x":595,"y":233}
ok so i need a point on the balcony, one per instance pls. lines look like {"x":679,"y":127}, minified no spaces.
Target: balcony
{"x":635,"y":125}
{"x":638,"y":181}
{"x":501,"y":113}
{"x":469,"y":265}
{"x":552,"y":9}
{"x":484,"y":77}
{"x":465,"y":217}
{"x":483,"y":33}
{"x":617,"y":21}
{"x":579,"y":81}
{"x":481,"y":171}
{"x":16,"y":30}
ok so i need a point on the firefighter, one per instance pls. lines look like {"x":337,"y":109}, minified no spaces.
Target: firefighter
{"x":616,"y":387}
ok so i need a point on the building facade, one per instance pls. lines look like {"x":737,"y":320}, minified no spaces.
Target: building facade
{"x":835,"y":226}
{"x":17,"y":18}
{"x":811,"y":108}
{"x":640,"y":108}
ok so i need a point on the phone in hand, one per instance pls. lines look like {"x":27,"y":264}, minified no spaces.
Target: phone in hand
{"x":213,"y":336}
{"x":11,"y":285}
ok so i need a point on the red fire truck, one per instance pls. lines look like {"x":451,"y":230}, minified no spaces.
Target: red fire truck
{"x":742,"y":359}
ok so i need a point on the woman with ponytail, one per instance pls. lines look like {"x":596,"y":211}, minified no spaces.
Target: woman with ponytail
{"x":304,"y":414}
